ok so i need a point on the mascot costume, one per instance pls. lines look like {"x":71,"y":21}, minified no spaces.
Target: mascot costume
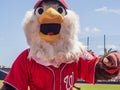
{"x":56,"y":58}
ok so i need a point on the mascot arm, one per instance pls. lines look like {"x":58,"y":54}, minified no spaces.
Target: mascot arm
{"x":17,"y":78}
{"x":86,"y":67}
{"x":108,"y":66}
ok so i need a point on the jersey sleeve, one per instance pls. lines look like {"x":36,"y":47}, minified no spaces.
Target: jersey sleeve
{"x":18,"y":75}
{"x":87,"y":64}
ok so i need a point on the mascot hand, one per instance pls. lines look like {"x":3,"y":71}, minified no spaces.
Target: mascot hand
{"x":108,"y":67}
{"x":112,"y":60}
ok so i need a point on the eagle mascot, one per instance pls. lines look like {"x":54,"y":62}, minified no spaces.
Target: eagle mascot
{"x":56,"y":59}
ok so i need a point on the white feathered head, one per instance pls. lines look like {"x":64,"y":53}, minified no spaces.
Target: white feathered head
{"x":51,"y":30}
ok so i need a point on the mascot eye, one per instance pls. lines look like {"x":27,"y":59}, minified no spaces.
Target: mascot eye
{"x":39,"y":11}
{"x":61,"y":10}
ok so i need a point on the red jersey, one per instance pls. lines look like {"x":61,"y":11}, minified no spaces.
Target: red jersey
{"x":25,"y":72}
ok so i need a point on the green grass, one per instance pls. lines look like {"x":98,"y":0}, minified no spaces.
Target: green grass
{"x":1,"y":82}
{"x":94,"y":87}
{"x":99,"y":87}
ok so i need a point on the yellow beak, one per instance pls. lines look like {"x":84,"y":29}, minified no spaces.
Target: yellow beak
{"x":50,"y":16}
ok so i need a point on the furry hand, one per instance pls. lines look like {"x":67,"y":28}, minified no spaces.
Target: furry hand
{"x":112,"y":60}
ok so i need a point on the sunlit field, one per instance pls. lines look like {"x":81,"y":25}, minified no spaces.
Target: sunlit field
{"x":99,"y":86}
{"x":1,"y":83}
{"x":93,"y":87}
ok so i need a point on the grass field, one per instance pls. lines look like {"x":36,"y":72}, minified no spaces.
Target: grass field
{"x":99,"y":86}
{"x":1,"y":82}
{"x":94,"y":87}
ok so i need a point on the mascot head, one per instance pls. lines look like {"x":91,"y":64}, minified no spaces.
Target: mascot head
{"x":51,"y":30}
